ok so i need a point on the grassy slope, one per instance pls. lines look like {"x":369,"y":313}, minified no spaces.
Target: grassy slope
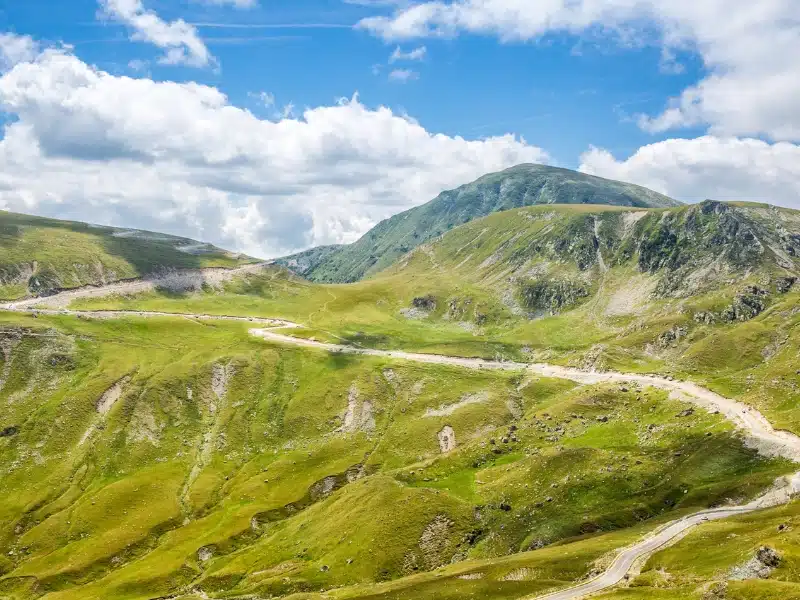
{"x":39,"y":255}
{"x":293,"y":401}
{"x":474,"y":275}
{"x":120,"y":516}
{"x":523,"y":185}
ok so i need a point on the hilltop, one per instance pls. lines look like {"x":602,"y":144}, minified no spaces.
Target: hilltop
{"x":39,"y":256}
{"x":523,"y":185}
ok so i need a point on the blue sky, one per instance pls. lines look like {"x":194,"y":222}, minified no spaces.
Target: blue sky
{"x":657,"y":95}
{"x":561,"y":93}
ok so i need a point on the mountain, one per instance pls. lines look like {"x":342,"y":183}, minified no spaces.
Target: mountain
{"x":682,"y":252}
{"x":180,"y":456}
{"x":39,"y":256}
{"x":523,"y":185}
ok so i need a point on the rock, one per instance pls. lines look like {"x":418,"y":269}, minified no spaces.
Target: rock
{"x":424,"y":302}
{"x":686,"y":413}
{"x":205,"y":554}
{"x":602,"y":419}
{"x":758,"y":567}
{"x":324,"y":568}
{"x":9,"y":431}
{"x":768,"y":556}
{"x":747,"y":304}
{"x":705,"y":317}
{"x":447,"y":439}
{"x":551,"y":296}
{"x":716,"y":591}
{"x":785,"y":284}
{"x":671,"y":337}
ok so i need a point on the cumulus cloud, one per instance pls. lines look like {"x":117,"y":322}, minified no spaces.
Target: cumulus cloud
{"x":179,"y":40}
{"x":749,"y":49}
{"x":15,"y":49}
{"x":708,"y":167}
{"x":88,"y":145}
{"x":415,"y":54}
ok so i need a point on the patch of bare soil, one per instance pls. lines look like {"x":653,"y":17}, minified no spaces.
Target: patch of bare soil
{"x":448,"y":409}
{"x":358,"y":416}
{"x":447,"y":439}
{"x":111,"y":395}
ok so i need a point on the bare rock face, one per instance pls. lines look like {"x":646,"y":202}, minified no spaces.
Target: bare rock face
{"x":768,"y":556}
{"x":447,"y":439}
{"x":758,"y":567}
{"x":435,"y":549}
{"x":358,"y":416}
{"x":205,"y":554}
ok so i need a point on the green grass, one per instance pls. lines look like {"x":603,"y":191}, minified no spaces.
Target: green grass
{"x":41,"y":255}
{"x":121,"y":516}
{"x":285,"y":500}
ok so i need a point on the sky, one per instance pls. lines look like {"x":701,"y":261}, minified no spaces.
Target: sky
{"x":270,"y":126}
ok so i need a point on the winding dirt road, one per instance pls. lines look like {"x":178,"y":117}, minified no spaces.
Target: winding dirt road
{"x":756,"y":429}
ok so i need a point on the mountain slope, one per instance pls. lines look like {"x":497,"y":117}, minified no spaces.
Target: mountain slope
{"x":523,"y":185}
{"x":195,"y":461}
{"x":39,"y":255}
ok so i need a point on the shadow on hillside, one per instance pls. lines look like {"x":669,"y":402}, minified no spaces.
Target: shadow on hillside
{"x":341,"y":360}
{"x":366,"y":340}
{"x":146,"y":254}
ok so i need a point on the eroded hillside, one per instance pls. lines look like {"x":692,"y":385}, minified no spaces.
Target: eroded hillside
{"x":151,"y":457}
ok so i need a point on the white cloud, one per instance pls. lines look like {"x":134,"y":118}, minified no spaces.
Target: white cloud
{"x":415,"y":54}
{"x":708,"y":167}
{"x":403,"y":75}
{"x":267,"y":99}
{"x":89,"y":145}
{"x":750,"y":49}
{"x":179,"y":40}
{"x":15,"y":49}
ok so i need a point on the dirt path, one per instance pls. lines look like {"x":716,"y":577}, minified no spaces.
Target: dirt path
{"x":187,"y":279}
{"x":756,"y":429}
{"x":782,"y":493}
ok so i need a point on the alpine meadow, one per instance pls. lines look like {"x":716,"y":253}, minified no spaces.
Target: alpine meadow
{"x":496,"y":414}
{"x":399,"y":300}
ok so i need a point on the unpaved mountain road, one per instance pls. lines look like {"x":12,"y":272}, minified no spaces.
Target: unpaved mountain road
{"x":177,"y":281}
{"x":783,"y":492}
{"x":758,"y":432}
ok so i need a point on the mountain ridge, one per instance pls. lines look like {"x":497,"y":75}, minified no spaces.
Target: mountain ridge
{"x":40,"y":255}
{"x":522,"y":185}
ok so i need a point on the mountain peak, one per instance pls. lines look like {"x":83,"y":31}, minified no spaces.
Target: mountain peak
{"x":522,"y":185}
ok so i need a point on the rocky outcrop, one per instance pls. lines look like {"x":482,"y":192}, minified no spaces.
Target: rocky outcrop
{"x":760,"y":566}
{"x":447,"y":439}
{"x":551,"y":296}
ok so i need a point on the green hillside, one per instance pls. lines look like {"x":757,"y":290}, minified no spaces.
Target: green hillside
{"x":173,"y":457}
{"x":523,"y":185}
{"x":39,"y":256}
